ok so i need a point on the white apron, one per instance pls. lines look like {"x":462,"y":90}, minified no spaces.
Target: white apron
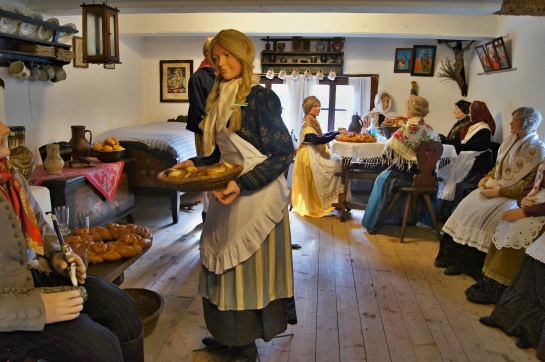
{"x":233,"y":233}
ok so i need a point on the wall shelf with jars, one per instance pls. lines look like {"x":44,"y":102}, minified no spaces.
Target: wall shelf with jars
{"x":303,"y":53}
{"x":31,"y":39}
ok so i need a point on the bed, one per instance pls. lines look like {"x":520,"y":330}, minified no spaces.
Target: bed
{"x":154,"y":147}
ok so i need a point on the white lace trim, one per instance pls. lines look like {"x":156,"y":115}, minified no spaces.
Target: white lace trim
{"x":518,"y":234}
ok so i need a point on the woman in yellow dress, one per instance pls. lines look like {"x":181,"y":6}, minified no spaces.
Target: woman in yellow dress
{"x":315,"y":186}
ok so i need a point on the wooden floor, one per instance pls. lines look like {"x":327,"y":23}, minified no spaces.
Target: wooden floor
{"x":359,"y":297}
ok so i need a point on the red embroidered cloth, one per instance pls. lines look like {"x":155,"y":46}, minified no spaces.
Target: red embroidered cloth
{"x":104,"y":176}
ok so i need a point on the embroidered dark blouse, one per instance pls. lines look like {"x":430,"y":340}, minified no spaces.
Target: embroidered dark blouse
{"x":263,"y":127}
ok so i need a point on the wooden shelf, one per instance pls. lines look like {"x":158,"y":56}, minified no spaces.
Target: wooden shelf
{"x":498,"y":71}
{"x":10,"y":43}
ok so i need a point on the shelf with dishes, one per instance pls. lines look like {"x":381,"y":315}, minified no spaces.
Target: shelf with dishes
{"x":302,"y":61}
{"x":31,"y":39}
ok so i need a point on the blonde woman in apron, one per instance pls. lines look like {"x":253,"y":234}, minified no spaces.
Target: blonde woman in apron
{"x":247,"y":275}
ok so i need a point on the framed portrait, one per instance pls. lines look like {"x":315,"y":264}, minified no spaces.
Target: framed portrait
{"x":174,"y":77}
{"x":77,"y":48}
{"x":492,"y":56}
{"x":501,"y":52}
{"x":403,"y":60}
{"x":483,"y":57}
{"x":423,"y":63}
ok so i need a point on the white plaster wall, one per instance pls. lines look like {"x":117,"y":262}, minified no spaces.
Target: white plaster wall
{"x":98,"y":98}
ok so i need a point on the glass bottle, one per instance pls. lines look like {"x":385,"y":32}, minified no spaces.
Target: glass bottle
{"x":20,"y":156}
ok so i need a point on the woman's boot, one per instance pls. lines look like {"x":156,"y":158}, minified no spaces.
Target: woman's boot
{"x":246,"y":353}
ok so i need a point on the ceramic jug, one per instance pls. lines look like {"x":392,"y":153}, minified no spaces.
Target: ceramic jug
{"x":356,"y":124}
{"x":80,"y":145}
{"x":53,"y":163}
{"x":20,"y":156}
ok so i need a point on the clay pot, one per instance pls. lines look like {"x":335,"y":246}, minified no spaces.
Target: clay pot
{"x":337,"y":45}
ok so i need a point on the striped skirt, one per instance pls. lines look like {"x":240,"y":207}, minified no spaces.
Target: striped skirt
{"x":255,"y":298}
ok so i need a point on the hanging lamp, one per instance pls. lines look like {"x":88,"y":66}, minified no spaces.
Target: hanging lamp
{"x":100,"y":34}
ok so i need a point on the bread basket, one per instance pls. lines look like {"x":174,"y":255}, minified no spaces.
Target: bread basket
{"x":202,"y":183}
{"x":149,"y":304}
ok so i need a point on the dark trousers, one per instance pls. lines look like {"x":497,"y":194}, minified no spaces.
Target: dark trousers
{"x":109,"y":319}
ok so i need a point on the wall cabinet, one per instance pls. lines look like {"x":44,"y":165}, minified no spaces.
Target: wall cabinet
{"x":17,"y":47}
{"x":303,"y":53}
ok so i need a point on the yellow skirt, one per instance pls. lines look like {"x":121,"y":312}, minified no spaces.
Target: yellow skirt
{"x":304,"y":196}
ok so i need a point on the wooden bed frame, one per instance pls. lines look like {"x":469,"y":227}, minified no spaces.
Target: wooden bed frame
{"x":148,"y":163}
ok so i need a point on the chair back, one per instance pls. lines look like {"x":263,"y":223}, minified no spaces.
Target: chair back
{"x":427,"y":155}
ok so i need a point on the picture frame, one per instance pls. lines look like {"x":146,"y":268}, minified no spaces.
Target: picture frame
{"x":403,"y":60}
{"x":174,"y":75}
{"x":109,"y":66}
{"x":77,"y":48}
{"x":423,"y":60}
{"x":492,"y":56}
{"x":501,"y":52}
{"x":483,"y":57}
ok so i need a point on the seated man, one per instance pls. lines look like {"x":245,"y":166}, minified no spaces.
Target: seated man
{"x":54,"y":326}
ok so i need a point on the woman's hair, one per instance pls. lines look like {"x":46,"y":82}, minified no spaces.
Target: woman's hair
{"x":417,"y":106}
{"x":309,"y":102}
{"x":530,"y":117}
{"x":384,"y":95}
{"x":242,"y":48}
{"x":206,"y":47}
{"x":463,"y":105}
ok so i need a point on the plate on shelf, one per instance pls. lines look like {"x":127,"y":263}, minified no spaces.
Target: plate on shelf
{"x":66,"y":37}
{"x":10,"y":26}
{"x":47,"y":33}
{"x":29,"y":30}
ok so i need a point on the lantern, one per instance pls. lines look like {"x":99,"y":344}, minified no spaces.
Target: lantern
{"x":100,"y":34}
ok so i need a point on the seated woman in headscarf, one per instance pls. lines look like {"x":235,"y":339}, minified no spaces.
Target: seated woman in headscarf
{"x":521,"y":309}
{"x":400,"y":153}
{"x":381,"y":111}
{"x":516,"y":231}
{"x":315,"y":186}
{"x":469,"y":230}
{"x":470,"y":136}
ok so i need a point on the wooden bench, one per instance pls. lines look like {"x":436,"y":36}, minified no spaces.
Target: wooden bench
{"x":113,"y":271}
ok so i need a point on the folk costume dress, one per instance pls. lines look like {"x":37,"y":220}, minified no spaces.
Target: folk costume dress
{"x":470,"y":137}
{"x":400,"y":153}
{"x":469,"y":230}
{"x":315,"y":186}
{"x":246,"y":279}
{"x":511,"y":239}
{"x":521,"y":308}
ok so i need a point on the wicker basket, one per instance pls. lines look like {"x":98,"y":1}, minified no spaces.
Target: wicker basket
{"x":200,"y":184}
{"x":149,"y":305}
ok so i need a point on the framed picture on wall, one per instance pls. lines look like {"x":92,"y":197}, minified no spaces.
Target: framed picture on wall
{"x":423,"y":63}
{"x":483,"y":57}
{"x":403,"y":59}
{"x":77,"y":47}
{"x":492,"y":56}
{"x":501,"y":52}
{"x":174,"y":75}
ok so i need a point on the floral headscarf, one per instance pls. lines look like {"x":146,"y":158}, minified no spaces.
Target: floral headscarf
{"x":478,"y":112}
{"x":400,"y":149}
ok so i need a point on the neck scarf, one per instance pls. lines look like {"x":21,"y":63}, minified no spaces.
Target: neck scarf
{"x":221,"y":111}
{"x":479,"y":112}
{"x":400,"y":149}
{"x":457,"y":128}
{"x":206,"y":63}
{"x":517,"y":158}
{"x":12,"y":190}
{"x":311,"y":122}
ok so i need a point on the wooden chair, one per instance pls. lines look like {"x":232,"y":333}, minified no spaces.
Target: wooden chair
{"x":424,"y":184}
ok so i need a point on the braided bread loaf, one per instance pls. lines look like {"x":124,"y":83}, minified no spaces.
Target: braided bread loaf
{"x":110,"y":243}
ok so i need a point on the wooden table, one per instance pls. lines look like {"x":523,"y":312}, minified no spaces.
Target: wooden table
{"x":82,"y":197}
{"x":365,"y":161}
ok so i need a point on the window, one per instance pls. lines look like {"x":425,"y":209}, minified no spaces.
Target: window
{"x":337,"y":98}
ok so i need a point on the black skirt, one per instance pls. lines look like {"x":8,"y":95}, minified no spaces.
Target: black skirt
{"x":466,"y":258}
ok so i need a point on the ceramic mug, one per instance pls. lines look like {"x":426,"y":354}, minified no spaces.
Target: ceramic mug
{"x":19,"y":70}
{"x":43,"y":75}
{"x":60,"y":74}
{"x":35,"y":73}
{"x":50,"y":71}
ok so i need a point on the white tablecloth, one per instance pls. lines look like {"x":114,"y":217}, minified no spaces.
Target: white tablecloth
{"x":372,"y":152}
